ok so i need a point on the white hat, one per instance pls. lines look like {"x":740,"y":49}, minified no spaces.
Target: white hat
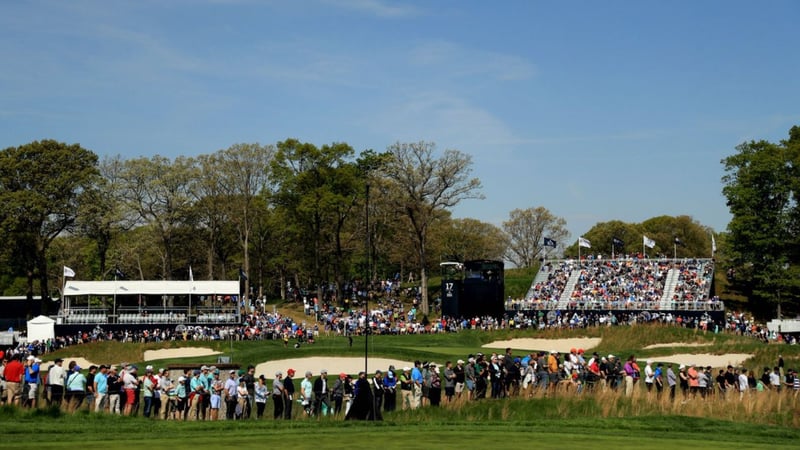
{"x":148,"y":368}
{"x":31,"y":357}
{"x":406,"y":369}
{"x":649,"y":361}
{"x":682,"y":366}
{"x":181,"y":378}
{"x":460,"y":361}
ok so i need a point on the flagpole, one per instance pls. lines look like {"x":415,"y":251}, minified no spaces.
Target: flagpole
{"x":612,"y":248}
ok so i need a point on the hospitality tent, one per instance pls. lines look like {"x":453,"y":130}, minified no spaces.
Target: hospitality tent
{"x":41,"y":328}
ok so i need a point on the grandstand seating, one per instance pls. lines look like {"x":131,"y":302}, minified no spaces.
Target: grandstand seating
{"x":621,"y":284}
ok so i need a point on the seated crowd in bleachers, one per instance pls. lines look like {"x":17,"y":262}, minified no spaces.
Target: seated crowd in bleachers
{"x":624,"y":283}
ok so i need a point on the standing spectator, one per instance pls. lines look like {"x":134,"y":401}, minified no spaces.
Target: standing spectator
{"x":649,"y":375}
{"x":75,"y":386}
{"x":338,"y":392}
{"x":250,"y":384}
{"x":630,"y":374}
{"x":658,"y":379}
{"x":217,"y":388}
{"x":390,"y":390}
{"x":32,"y":380}
{"x":470,"y":377}
{"x":242,"y":399}
{"x":115,"y":389}
{"x":449,"y":381}
{"x":694,"y":380}
{"x":406,"y":390}
{"x":148,"y":384}
{"x":14,"y":375}
{"x":90,"y":392}
{"x":377,"y":390}
{"x":744,"y":383}
{"x":182,"y":397}
{"x":460,"y":378}
{"x":321,"y":394}
{"x":288,"y":388}
{"x":231,"y":386}
{"x":775,"y":379}
{"x":278,"y":395}
{"x":435,"y":389}
{"x":165,"y":385}
{"x":261,"y":393}
{"x":684,"y":380}
{"x":100,"y":388}
{"x":419,"y":381}
{"x":307,"y":393}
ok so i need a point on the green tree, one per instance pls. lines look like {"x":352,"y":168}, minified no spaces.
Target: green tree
{"x":40,"y":185}
{"x":471,"y":239}
{"x":422,"y":186}
{"x":318,"y":188}
{"x":526,"y":230}
{"x":158,"y":191}
{"x":761,"y":188}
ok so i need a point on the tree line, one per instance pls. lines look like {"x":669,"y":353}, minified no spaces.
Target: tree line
{"x":307,"y":216}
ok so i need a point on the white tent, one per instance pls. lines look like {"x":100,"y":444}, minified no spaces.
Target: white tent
{"x":41,"y":328}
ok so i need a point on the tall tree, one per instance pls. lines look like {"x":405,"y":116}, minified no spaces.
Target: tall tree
{"x":471,"y":239}
{"x":159,"y":192}
{"x":40,"y":184}
{"x":318,"y":187}
{"x":101,"y":215}
{"x":761,"y":188}
{"x":424,"y":186}
{"x":526,"y":230}
{"x":242,"y":171}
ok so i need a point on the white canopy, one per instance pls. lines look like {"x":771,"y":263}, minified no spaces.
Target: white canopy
{"x":151,"y":287}
{"x":41,"y":328}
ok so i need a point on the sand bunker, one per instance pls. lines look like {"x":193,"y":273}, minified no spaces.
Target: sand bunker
{"x":184,"y":352}
{"x":334,"y":366}
{"x":560,"y":345}
{"x":677,"y":344}
{"x":82,"y":362}
{"x":705,"y":359}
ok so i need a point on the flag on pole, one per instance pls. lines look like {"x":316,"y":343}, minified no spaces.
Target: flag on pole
{"x":678,"y":241}
{"x":191,"y":275}
{"x":118,"y":273}
{"x":242,"y":275}
{"x":583,"y":242}
{"x":649,"y":243}
{"x":68,"y":273}
{"x":713,"y":244}
{"x":550,"y":242}
{"x":617,"y":242}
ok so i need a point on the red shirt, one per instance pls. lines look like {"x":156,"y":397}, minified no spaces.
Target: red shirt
{"x":14,"y":371}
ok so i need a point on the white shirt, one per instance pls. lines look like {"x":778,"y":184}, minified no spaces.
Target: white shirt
{"x":57,"y":375}
{"x":743,"y":384}
{"x":649,"y":374}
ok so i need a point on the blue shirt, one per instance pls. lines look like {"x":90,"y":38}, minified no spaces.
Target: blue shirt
{"x":416,"y":375}
{"x":32,"y":373}
{"x":102,"y":383}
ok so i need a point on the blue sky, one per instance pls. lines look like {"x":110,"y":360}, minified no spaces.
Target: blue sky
{"x":597,"y":111}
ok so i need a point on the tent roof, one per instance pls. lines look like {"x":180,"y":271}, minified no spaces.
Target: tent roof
{"x":41,"y":320}
{"x":151,"y":287}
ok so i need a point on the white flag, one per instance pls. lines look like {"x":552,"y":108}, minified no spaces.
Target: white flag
{"x":191,"y":275}
{"x":68,"y":273}
{"x":713,"y":244}
{"x":649,"y":243}
{"x":583,"y":242}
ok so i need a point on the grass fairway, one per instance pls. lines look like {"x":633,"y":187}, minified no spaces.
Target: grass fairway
{"x":86,"y":431}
